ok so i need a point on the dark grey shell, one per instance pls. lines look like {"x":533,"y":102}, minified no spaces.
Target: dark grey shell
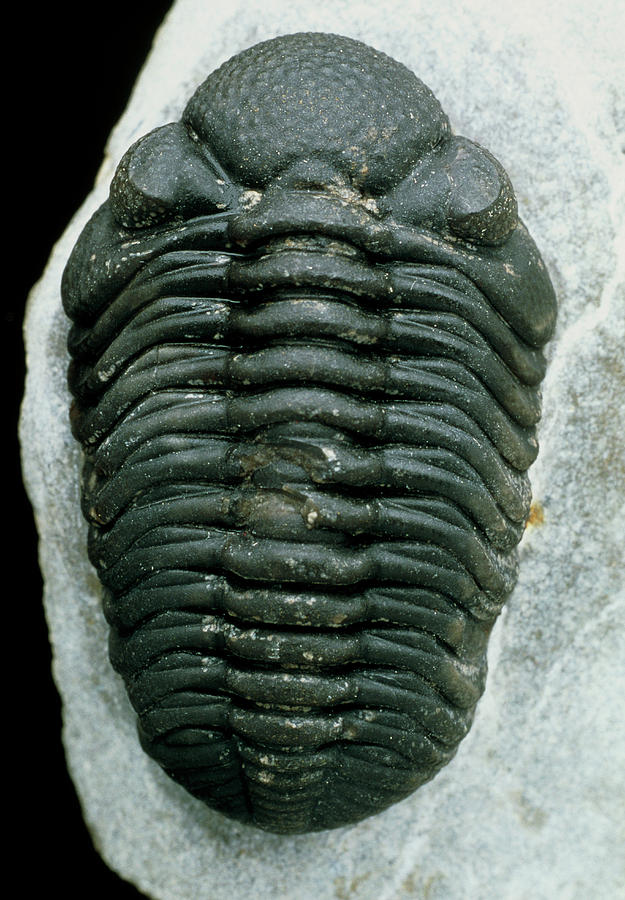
{"x":307,"y":349}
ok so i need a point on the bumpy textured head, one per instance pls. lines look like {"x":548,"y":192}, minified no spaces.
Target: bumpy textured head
{"x":316,"y":111}
{"x":322,"y":97}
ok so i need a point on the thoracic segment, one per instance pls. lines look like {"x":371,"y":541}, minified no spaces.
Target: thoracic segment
{"x":304,"y":508}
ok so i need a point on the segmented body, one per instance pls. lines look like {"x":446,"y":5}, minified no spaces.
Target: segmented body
{"x":307,"y":402}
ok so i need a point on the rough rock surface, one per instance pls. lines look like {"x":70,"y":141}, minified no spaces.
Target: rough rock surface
{"x":532,"y":805}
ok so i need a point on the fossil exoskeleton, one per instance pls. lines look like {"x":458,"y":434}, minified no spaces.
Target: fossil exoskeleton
{"x":306,"y":356}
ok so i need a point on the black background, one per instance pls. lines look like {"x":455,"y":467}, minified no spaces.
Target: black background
{"x":66,"y":86}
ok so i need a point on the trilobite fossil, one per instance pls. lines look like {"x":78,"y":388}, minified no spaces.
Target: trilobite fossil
{"x":306,"y":356}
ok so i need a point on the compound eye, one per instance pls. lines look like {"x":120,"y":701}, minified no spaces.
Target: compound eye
{"x":482,"y":205}
{"x":166,"y":175}
{"x":457,"y":190}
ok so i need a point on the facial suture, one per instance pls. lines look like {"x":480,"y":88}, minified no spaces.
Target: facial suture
{"x":306,"y":356}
